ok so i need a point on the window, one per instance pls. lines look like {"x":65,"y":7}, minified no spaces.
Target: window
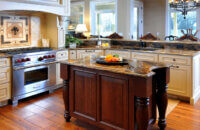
{"x":138,"y":20}
{"x":77,"y":13}
{"x":178,"y":23}
{"x":103,"y":18}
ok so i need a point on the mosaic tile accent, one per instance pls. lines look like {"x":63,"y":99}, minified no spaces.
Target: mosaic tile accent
{"x":14,"y":30}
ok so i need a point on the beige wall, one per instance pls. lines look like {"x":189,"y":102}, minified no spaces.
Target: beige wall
{"x":155,"y":17}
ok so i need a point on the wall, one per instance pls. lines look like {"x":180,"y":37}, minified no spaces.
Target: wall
{"x":155,"y":17}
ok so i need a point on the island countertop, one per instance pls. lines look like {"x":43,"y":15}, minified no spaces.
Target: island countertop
{"x":157,"y":51}
{"x":146,"y":70}
{"x":111,"y":97}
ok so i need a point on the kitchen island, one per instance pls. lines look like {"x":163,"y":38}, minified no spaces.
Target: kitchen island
{"x":114,"y":96}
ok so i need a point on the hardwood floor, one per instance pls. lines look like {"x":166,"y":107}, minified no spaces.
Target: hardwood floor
{"x":46,"y":112}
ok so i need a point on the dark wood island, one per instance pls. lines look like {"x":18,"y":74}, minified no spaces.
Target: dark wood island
{"x":112,"y":96}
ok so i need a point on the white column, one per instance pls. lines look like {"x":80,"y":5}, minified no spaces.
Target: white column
{"x":124,"y":17}
{"x":87,"y":14}
{"x":61,"y":31}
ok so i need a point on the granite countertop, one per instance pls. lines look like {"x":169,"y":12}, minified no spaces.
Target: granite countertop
{"x":145,"y":69}
{"x":158,"y":51}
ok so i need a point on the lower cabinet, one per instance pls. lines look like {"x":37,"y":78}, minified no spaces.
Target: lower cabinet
{"x":180,"y":80}
{"x":60,"y":55}
{"x":104,"y":100}
{"x":184,"y":76}
{"x":124,"y":54}
{"x":5,"y":91}
{"x":5,"y":81}
{"x":145,"y":56}
{"x":85,"y":53}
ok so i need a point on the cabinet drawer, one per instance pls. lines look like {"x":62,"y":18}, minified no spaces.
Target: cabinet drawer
{"x":85,"y":53}
{"x":4,"y":75}
{"x":4,"y":62}
{"x":62,"y":55}
{"x":124,"y":54}
{"x":72,"y":54}
{"x":4,"y":92}
{"x":173,"y":59}
{"x":145,"y":56}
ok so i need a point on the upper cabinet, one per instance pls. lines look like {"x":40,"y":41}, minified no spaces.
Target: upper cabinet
{"x":58,"y":7}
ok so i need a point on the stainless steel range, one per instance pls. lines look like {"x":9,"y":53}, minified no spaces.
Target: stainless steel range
{"x":33,"y":71}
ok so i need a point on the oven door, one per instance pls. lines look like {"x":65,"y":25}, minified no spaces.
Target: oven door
{"x":32,"y":79}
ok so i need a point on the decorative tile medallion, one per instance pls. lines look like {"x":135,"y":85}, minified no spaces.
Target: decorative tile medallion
{"x":14,"y":31}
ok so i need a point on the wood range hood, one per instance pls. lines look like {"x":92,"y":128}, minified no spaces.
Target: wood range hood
{"x":57,"y":7}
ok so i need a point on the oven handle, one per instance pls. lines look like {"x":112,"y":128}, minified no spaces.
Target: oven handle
{"x":45,"y":64}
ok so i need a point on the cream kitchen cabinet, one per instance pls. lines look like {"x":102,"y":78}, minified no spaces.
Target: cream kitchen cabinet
{"x":180,"y":80}
{"x":85,"y":53}
{"x":184,"y":76}
{"x":5,"y":81}
{"x":72,"y":54}
{"x":60,"y":56}
{"x":124,"y":54}
{"x":145,"y":56}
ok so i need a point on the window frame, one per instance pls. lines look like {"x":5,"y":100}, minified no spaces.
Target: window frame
{"x":140,"y":28}
{"x":93,"y":14}
{"x":168,"y":23}
{"x":82,"y":3}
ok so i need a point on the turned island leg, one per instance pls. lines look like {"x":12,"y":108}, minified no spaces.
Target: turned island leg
{"x":142,"y":113}
{"x":162,"y":102}
{"x":66,"y":100}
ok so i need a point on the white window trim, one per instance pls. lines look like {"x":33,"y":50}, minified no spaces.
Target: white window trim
{"x":93,"y":14}
{"x":80,"y":3}
{"x":168,"y":15}
{"x":140,"y":5}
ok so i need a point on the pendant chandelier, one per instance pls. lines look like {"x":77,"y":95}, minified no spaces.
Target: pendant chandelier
{"x":184,"y":6}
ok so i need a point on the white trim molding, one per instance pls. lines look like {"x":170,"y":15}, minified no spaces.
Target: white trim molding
{"x":35,"y":5}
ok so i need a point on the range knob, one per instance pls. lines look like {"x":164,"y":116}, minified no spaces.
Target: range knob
{"x":18,"y":61}
{"x":40,"y":59}
{"x":28,"y":59}
{"x":23,"y":60}
{"x":49,"y":56}
{"x":45,"y":57}
{"x":53,"y":56}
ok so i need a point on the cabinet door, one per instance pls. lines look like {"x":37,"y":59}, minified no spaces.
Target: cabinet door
{"x":180,"y":81}
{"x":62,"y":55}
{"x":145,"y":56}
{"x":4,"y":75}
{"x":4,"y":62}
{"x":113,"y":101}
{"x":72,"y":54}
{"x":124,"y":54}
{"x":83,"y":94}
{"x":5,"y":91}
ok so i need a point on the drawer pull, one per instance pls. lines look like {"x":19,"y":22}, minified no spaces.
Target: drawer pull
{"x":172,"y":66}
{"x":174,"y":59}
{"x":89,"y":50}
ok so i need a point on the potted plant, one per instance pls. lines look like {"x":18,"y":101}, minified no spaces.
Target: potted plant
{"x":72,"y":42}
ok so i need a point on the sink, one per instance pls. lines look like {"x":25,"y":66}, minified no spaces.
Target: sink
{"x":142,"y":49}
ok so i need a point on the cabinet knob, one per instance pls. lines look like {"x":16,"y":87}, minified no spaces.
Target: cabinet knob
{"x":174,"y":59}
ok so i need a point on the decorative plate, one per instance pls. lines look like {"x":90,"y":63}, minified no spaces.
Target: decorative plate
{"x":103,"y":62}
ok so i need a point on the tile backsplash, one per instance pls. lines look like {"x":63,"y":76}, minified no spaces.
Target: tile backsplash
{"x":14,"y":31}
{"x":22,"y":30}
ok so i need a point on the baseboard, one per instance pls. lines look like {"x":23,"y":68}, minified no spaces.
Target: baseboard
{"x":195,"y":98}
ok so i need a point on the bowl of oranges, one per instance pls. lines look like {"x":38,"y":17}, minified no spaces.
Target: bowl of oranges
{"x":112,"y":60}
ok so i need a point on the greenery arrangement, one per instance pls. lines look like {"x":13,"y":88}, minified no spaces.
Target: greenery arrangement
{"x":70,"y":40}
